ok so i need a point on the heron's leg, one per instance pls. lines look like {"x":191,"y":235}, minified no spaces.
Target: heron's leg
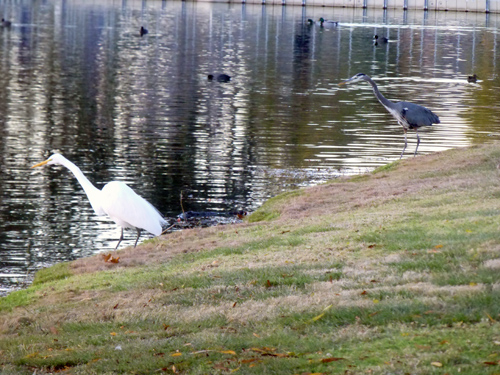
{"x":418,"y":142}
{"x":404,"y":148}
{"x":120,"y":240}
{"x":138,"y":235}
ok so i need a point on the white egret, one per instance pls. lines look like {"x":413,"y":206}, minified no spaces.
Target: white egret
{"x":117,"y":200}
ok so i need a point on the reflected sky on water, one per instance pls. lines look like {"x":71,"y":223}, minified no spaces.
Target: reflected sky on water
{"x":77,"y":78}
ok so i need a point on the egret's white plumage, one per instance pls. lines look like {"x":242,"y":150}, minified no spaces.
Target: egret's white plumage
{"x":117,"y":200}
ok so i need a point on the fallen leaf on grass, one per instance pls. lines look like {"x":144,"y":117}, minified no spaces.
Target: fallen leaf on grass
{"x":263,"y":350}
{"x":227,"y":352}
{"x":322,"y":314}
{"x":437,"y":364}
{"x":318,"y":317}
{"x":178,"y":354}
{"x":108,"y":258}
{"x":112,"y":333}
{"x":250,"y":360}
{"x":490,"y":363}
{"x":331,"y":359}
{"x":269,"y":352}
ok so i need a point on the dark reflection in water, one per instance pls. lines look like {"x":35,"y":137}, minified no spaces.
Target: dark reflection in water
{"x":78,"y":78}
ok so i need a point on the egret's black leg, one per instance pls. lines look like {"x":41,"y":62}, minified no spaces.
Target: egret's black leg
{"x":404,"y":148}
{"x":138,"y":235}
{"x":120,"y":240}
{"x":418,"y":142}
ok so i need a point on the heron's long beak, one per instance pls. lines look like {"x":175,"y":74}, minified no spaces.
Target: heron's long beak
{"x":344,"y":82}
{"x":40,"y":164}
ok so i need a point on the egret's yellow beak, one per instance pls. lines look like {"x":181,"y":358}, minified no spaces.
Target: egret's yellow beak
{"x":40,"y":164}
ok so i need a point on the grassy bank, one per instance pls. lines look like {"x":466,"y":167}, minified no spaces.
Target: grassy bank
{"x":395,"y":272}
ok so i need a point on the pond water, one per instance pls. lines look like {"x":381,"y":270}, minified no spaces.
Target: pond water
{"x":77,"y":78}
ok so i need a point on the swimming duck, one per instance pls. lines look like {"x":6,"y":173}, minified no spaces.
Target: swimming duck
{"x":472,"y":79}
{"x":143,"y":31}
{"x":382,"y":39}
{"x":219,"y":77}
{"x":327,"y":23}
{"x":6,"y":23}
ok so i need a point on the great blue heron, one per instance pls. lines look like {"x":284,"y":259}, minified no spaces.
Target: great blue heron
{"x":409,"y":115}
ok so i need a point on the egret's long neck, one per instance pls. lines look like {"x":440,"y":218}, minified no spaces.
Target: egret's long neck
{"x":385,"y":102}
{"x":92,"y":192}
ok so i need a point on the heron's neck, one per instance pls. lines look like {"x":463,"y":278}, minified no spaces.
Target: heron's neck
{"x":385,"y":102}
{"x":91,"y":191}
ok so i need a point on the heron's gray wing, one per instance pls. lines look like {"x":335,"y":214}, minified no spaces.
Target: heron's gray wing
{"x":417,"y":115}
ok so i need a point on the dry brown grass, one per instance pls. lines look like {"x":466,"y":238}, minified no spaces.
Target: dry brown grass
{"x":339,"y":214}
{"x":313,"y":205}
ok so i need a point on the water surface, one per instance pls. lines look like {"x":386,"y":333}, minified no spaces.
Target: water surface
{"x":77,"y":78}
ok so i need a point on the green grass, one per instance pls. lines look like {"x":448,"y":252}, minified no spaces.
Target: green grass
{"x":403,"y":283}
{"x":56,"y":272}
{"x":269,"y":211}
